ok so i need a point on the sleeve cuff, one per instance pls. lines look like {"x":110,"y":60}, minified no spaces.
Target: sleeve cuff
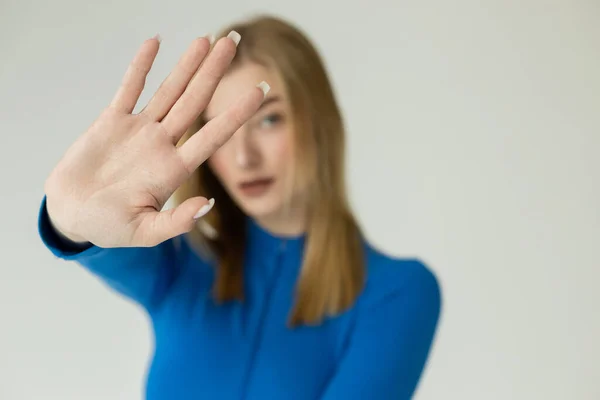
{"x":57,"y":245}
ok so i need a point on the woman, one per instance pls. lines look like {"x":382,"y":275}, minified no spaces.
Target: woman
{"x":274,"y":294}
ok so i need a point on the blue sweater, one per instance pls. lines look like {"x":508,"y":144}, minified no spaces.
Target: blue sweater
{"x":376,"y":350}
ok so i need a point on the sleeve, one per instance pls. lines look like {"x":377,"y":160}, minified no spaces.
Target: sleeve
{"x":142,"y":274}
{"x":390,"y":343}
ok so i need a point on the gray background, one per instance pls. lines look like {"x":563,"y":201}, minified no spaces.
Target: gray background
{"x":473,"y":143}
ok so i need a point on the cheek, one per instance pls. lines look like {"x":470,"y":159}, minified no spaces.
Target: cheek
{"x":283,"y":162}
{"x":281,"y":150}
{"x":219,"y":166}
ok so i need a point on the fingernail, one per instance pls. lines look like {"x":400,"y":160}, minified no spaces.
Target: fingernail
{"x":211,"y":38}
{"x":233,"y":35}
{"x":264,"y":86}
{"x":205,"y":209}
{"x":157,"y":37}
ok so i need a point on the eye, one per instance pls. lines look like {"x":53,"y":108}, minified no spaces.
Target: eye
{"x":270,"y":120}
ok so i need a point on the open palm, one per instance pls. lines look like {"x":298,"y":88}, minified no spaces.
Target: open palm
{"x":111,"y":184}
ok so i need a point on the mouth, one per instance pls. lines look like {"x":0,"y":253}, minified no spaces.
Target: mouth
{"x":256,"y":187}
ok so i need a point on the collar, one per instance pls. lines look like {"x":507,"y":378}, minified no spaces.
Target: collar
{"x":263,"y":243}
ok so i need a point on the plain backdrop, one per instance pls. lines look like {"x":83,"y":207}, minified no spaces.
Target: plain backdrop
{"x":473,"y":143}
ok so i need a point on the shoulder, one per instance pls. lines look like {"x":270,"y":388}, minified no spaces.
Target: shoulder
{"x":399,"y":281}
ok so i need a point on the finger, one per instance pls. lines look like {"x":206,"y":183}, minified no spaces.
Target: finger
{"x":217,"y":131}
{"x":157,"y":227}
{"x":200,"y":90}
{"x":172,"y":88}
{"x":135,"y":77}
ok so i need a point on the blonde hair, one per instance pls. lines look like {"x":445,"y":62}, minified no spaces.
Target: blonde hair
{"x":333,"y":270}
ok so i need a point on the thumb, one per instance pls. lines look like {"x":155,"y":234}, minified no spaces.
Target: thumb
{"x":176,"y":221}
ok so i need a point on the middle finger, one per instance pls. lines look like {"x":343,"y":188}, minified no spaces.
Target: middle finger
{"x":174,"y":85}
{"x":200,"y":90}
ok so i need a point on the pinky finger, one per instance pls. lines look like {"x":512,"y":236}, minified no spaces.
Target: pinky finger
{"x":134,"y":80}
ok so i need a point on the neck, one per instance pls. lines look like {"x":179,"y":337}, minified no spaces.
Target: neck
{"x":291,"y":223}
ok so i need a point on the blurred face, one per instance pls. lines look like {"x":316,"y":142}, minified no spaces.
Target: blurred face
{"x":255,"y":165}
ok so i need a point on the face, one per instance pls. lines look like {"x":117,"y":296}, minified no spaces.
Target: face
{"x":255,"y":165}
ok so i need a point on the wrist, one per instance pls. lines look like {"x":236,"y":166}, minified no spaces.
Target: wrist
{"x":62,"y":233}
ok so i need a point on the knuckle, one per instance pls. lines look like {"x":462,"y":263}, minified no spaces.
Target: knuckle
{"x":137,"y":71}
{"x":185,"y":69}
{"x":212,"y":73}
{"x":238,"y":119}
{"x":193,"y":97}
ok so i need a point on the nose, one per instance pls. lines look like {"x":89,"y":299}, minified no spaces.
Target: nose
{"x":246,"y":151}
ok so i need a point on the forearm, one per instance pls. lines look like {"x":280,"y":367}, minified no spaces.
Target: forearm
{"x":140,"y":273}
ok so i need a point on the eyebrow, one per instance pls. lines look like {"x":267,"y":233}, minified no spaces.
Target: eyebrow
{"x":266,"y":102}
{"x":269,"y":100}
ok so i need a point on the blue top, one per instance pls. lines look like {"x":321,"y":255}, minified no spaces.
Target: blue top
{"x":376,"y":350}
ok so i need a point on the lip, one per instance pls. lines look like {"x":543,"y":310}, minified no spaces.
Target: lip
{"x":256,"y":187}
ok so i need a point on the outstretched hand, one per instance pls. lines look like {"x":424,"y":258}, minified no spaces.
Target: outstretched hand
{"x":111,"y":185}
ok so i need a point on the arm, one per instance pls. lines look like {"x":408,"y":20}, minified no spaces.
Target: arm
{"x":110,"y":186}
{"x":142,"y":274}
{"x":390,"y":344}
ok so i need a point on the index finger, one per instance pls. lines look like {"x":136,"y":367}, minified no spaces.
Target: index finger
{"x":134,"y":80}
{"x":219,"y":130}
{"x":198,"y":93}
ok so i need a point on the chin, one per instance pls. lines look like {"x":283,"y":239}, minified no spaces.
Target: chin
{"x":260,"y":207}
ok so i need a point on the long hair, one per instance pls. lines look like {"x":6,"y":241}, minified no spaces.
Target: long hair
{"x":333,"y":270}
